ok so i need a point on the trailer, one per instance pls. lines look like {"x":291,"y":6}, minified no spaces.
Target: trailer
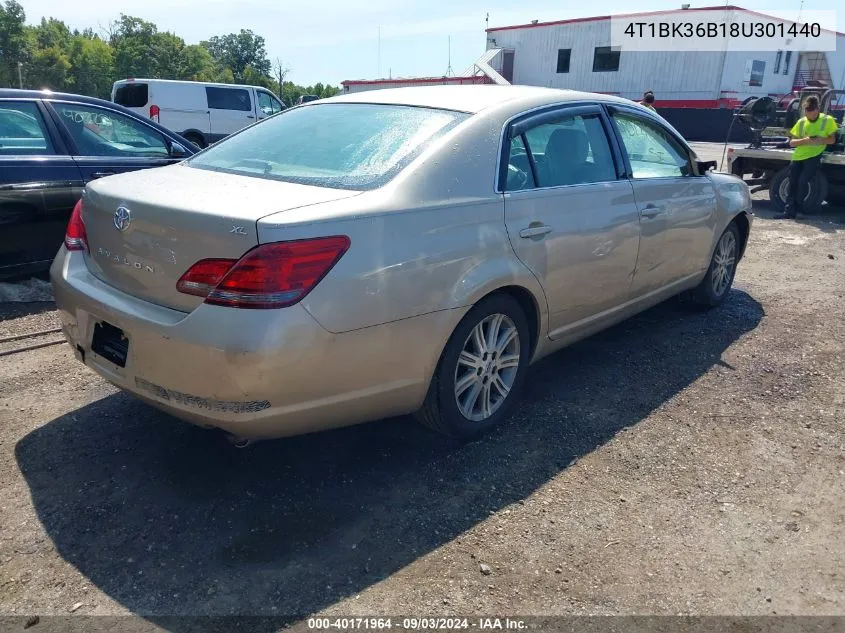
{"x":764,"y":164}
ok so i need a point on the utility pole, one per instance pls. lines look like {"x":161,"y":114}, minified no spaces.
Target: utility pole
{"x":449,"y":71}
{"x":20,"y":76}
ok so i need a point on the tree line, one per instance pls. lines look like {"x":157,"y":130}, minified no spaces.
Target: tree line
{"x":52,"y":56}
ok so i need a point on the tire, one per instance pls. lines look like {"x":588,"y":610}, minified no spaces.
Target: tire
{"x":717,"y":283}
{"x":441,"y":410}
{"x":836,"y":196}
{"x":815,"y":196}
{"x":196,"y":139}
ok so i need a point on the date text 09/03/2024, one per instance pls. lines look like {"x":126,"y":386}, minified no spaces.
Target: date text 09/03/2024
{"x":415,"y":624}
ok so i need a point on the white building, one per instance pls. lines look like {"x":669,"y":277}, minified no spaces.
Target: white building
{"x":576,"y":54}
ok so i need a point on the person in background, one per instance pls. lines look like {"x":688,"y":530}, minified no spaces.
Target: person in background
{"x":648,"y":100}
{"x":810,"y":135}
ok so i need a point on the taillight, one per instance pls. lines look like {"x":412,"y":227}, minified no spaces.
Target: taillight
{"x":154,"y":112}
{"x":269,"y":276}
{"x":204,"y":276}
{"x":75,"y":236}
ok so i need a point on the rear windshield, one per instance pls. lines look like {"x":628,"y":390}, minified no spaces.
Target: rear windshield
{"x":131,"y":95}
{"x":337,"y":145}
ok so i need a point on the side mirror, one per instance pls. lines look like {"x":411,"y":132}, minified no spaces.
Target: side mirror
{"x":706,"y":165}
{"x":177,"y":150}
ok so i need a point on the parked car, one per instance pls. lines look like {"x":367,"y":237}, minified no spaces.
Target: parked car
{"x":51,"y":145}
{"x":390,"y":252}
{"x":201,"y":112}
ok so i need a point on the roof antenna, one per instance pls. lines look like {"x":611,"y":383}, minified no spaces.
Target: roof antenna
{"x":449,"y":71}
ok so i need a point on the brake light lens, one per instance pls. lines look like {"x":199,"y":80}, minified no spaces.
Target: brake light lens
{"x":75,"y":237}
{"x":154,"y":112}
{"x":204,"y":276}
{"x":269,"y":276}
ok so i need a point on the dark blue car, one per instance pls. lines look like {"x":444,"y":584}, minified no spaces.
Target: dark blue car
{"x":51,"y":145}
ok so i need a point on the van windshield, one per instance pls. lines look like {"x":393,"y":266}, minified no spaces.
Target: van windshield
{"x":132,"y":95}
{"x":338,"y":145}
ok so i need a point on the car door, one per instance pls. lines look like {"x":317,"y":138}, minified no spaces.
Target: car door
{"x":570,"y":212}
{"x":677,"y":206}
{"x":39,"y":185}
{"x":230,"y":109}
{"x":105,"y":142}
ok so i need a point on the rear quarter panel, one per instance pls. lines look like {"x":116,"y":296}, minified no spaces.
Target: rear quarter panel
{"x":432,"y":239}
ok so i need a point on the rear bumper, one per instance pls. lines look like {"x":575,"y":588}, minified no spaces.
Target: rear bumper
{"x":254,"y":373}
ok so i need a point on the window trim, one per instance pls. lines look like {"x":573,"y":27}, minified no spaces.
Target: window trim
{"x":649,"y":120}
{"x":568,"y":61}
{"x":518,"y":124}
{"x":70,"y":142}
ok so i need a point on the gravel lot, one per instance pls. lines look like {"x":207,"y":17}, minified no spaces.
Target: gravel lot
{"x":678,"y":463}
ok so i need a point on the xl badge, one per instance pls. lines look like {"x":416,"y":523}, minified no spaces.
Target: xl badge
{"x":122,"y":219}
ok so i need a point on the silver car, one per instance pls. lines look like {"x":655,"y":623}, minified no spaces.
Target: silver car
{"x":390,"y":252}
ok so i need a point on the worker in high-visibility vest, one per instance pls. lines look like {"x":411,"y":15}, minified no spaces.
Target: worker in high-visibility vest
{"x":811,"y":134}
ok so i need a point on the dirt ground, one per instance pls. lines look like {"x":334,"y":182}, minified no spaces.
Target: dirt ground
{"x":678,"y":463}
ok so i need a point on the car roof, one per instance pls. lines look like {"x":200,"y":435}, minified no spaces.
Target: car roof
{"x":472,"y":98}
{"x":14,"y":93}
{"x":144,"y":80}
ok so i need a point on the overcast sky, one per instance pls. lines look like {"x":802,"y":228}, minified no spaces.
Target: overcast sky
{"x":333,"y":40}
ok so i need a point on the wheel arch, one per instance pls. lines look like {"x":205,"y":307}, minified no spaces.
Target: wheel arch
{"x":506,"y":276}
{"x":195,"y":132}
{"x":743,"y":223}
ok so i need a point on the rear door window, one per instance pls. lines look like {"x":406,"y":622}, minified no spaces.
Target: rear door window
{"x":22,"y":130}
{"x":571,"y":151}
{"x":101,"y":132}
{"x":228,"y":98}
{"x":132,"y":95}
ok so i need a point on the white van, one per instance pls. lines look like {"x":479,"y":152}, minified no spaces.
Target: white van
{"x":201,"y":112}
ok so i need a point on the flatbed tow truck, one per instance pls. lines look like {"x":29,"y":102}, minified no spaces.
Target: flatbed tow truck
{"x":764,"y":164}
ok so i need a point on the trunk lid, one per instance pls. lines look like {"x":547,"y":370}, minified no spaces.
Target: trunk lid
{"x":146,"y":228}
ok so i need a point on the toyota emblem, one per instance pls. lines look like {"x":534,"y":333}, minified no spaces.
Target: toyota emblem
{"x":122,"y":218}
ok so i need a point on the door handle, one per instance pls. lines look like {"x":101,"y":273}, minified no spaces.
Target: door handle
{"x":249,"y":116}
{"x":535,"y":231}
{"x":101,"y":174}
{"x":651,"y":211}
